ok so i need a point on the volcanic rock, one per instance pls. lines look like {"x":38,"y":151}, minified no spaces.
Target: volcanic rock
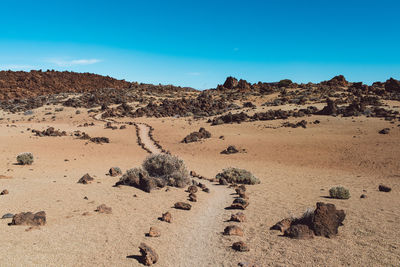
{"x":86,"y":179}
{"x":182,"y":206}
{"x":148,"y":254}
{"x":384,"y":188}
{"x":233,"y":230}
{"x":299,"y":231}
{"x":166,"y":217}
{"x":240,"y":246}
{"x":327,"y":219}
{"x":29,"y":218}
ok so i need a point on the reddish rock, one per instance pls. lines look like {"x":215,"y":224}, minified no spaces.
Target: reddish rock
{"x":238,"y":217}
{"x":154,"y":232}
{"x":166,"y":217}
{"x":240,"y":246}
{"x":327,"y":219}
{"x":29,"y":218}
{"x":192,"y":189}
{"x":148,"y":254}
{"x":192,"y":197}
{"x":233,"y":230}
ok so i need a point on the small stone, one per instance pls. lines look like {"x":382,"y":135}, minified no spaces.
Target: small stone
{"x":282,"y":225}
{"x":4,"y":192}
{"x":29,"y":218}
{"x":114,"y":171}
{"x":299,"y":231}
{"x":154,"y":232}
{"x":240,"y":246}
{"x":384,"y":188}
{"x":192,"y":197}
{"x":182,"y":206}
{"x":103,"y":209}
{"x":233,"y":230}
{"x":86,"y":179}
{"x":207,"y":190}
{"x":363,"y":196}
{"x":7,"y":216}
{"x":149,"y":256}
{"x":238,"y":217}
{"x":192,"y":189}
{"x":166,"y":217}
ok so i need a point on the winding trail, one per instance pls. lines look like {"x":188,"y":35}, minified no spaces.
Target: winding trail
{"x":198,"y":239}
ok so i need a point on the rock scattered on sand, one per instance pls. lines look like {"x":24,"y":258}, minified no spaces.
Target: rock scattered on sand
{"x":282,"y":225}
{"x":192,"y":189}
{"x":29,"y":218}
{"x":384,"y":188}
{"x":233,"y":230}
{"x":240,"y":246}
{"x":154,"y":232}
{"x":4,"y":192}
{"x":238,"y":217}
{"x":299,"y":231}
{"x":230,"y":150}
{"x":207,"y":190}
{"x":99,"y":140}
{"x":385,"y":131}
{"x":49,"y":132}
{"x":103,"y":208}
{"x":239,"y":203}
{"x":166,"y":217}
{"x":114,"y":171}
{"x":192,"y":197}
{"x":86,"y":179}
{"x":148,"y":254}
{"x":196,"y":136}
{"x":182,"y":206}
{"x":327,"y":219}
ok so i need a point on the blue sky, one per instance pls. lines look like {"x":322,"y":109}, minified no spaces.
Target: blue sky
{"x":200,"y":43}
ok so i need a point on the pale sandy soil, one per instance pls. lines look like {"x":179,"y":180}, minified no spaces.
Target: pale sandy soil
{"x":296,"y":168}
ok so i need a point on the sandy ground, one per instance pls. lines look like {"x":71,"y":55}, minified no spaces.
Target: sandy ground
{"x":296,"y":168}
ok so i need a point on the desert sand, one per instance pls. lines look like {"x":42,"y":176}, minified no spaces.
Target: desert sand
{"x":296,"y":168}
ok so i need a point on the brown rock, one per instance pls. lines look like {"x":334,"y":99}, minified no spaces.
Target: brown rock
{"x":207,"y":190}
{"x":182,"y":206}
{"x":239,"y":203}
{"x":114,"y":171}
{"x":238,"y":217}
{"x":104,"y":209}
{"x":154,"y":232}
{"x":166,"y":217}
{"x":233,"y":230}
{"x":29,"y":218}
{"x":327,"y":219}
{"x":299,"y":231}
{"x":192,"y":197}
{"x":4,"y":192}
{"x":148,"y":254}
{"x":282,"y":225}
{"x":192,"y":189}
{"x":240,"y":246}
{"x":86,"y":179}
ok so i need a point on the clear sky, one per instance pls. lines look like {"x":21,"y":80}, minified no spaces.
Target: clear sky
{"x":200,"y":43}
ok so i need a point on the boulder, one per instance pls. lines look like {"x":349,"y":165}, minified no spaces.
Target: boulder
{"x":29,"y":218}
{"x":148,"y":255}
{"x":327,"y":219}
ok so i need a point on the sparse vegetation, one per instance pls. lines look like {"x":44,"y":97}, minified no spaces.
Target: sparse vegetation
{"x":339,"y":192}
{"x":169,"y":168}
{"x":239,"y":176}
{"x":25,"y":158}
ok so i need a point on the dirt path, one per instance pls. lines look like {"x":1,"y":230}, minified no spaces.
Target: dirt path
{"x":144,"y":131}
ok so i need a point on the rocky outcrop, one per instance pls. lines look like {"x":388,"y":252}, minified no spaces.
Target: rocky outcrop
{"x":197,"y":136}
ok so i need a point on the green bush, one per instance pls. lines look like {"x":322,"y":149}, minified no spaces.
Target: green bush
{"x":239,"y":176}
{"x":339,"y":192}
{"x":25,"y":158}
{"x":169,"y":168}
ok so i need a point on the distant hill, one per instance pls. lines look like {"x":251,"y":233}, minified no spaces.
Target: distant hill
{"x":21,"y":84}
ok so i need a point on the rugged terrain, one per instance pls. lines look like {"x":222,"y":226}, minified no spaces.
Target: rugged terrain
{"x":299,"y":140}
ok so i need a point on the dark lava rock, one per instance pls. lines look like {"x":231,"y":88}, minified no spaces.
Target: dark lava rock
{"x":240,"y":246}
{"x":327,"y":219}
{"x":29,"y":218}
{"x":223,"y":181}
{"x":384,"y":131}
{"x":86,"y":179}
{"x":384,"y":188}
{"x":115,"y":171}
{"x":49,"y":132}
{"x":299,"y":231}
{"x":148,"y":254}
{"x":392,"y":85}
{"x":196,"y":136}
{"x":231,"y":83}
{"x":182,"y":206}
{"x":230,"y":150}
{"x":99,"y":140}
{"x":239,"y":203}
